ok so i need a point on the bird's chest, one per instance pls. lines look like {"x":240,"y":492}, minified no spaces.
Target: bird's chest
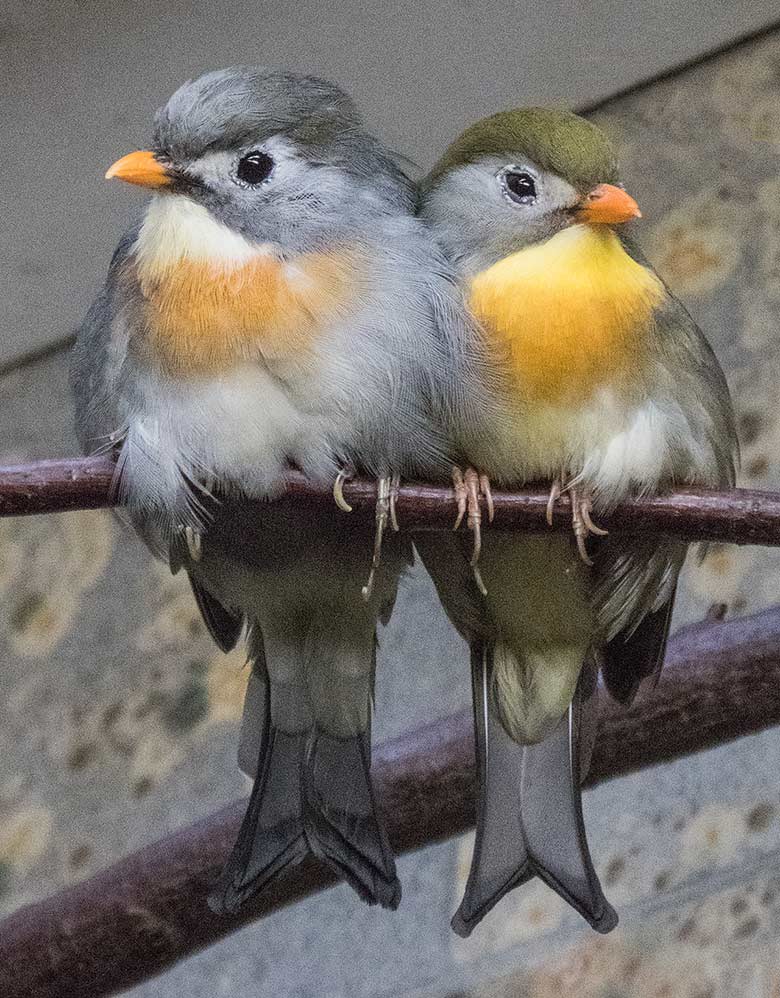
{"x":568,"y":318}
{"x":211,"y":300}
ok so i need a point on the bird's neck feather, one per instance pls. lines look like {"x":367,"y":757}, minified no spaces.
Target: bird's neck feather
{"x":213,"y":299}
{"x":176,"y":228}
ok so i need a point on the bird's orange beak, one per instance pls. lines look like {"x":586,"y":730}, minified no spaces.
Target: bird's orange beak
{"x":607,"y":205}
{"x":142,"y":168}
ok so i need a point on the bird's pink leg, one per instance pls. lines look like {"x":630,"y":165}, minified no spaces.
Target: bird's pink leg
{"x":387,"y":488}
{"x":471,"y":486}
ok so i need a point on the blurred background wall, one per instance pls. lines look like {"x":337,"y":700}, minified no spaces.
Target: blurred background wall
{"x":118,"y":717}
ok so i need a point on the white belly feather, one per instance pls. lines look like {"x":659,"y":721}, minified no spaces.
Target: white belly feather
{"x":241,"y":429}
{"x":612,"y":447}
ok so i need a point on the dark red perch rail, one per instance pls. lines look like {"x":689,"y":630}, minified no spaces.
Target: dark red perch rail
{"x":721,"y":681}
{"x":740,"y":516}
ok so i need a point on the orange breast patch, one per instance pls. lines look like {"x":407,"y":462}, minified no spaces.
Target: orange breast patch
{"x":205,"y":316}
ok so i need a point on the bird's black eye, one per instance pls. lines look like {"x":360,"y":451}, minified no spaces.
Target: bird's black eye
{"x":518,"y":185}
{"x":254,"y":168}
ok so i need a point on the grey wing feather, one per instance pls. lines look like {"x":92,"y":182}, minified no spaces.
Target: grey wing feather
{"x":632,"y":577}
{"x":466,"y":387}
{"x":96,"y":361}
{"x":635,"y":578}
{"x":692,"y":378}
{"x":688,"y":378}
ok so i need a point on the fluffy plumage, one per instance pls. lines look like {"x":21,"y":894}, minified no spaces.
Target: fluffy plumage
{"x":212,"y":297}
{"x":600,"y":380}
{"x":244,"y":328}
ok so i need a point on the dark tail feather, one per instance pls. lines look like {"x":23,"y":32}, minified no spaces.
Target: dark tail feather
{"x":312,"y":793}
{"x":272,"y":835}
{"x":224,"y":627}
{"x":628,"y":662}
{"x":529,"y":819}
{"x":342,"y":822}
{"x":255,"y":720}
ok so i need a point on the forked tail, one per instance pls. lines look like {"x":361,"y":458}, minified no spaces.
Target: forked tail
{"x":529,"y":818}
{"x":312,"y":794}
{"x":341,"y":818}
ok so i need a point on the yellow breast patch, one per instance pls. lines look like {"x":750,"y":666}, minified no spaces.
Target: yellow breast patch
{"x":569,"y":314}
{"x":212,"y":299}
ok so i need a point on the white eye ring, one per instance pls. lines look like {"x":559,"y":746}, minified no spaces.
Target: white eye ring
{"x":525,"y":192}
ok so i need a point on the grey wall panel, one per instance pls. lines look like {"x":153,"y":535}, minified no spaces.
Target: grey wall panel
{"x":81,"y":80}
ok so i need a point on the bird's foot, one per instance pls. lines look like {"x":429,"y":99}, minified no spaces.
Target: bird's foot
{"x":581,"y":508}
{"x":471,"y":486}
{"x":387,"y":493}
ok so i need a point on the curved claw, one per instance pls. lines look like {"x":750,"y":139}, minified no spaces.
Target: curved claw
{"x":395,"y":483}
{"x":591,"y":526}
{"x":555,"y":495}
{"x":475,"y":513}
{"x":338,"y":491}
{"x":194,"y":541}
{"x":477,"y":575}
{"x":583,"y":551}
{"x":474,"y":489}
{"x":486,"y":491}
{"x":581,"y":522}
{"x":470,"y":486}
{"x":381,"y":515}
{"x":459,"y":486}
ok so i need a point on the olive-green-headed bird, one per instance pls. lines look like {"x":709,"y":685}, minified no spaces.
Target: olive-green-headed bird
{"x":606,"y":387}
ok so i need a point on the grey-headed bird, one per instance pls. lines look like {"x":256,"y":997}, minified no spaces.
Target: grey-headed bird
{"x":277,"y":305}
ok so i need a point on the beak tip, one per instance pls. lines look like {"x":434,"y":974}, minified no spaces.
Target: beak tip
{"x":608,"y":204}
{"x":141,"y":168}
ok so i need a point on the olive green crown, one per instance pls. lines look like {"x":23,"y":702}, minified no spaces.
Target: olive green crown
{"x":555,"y":140}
